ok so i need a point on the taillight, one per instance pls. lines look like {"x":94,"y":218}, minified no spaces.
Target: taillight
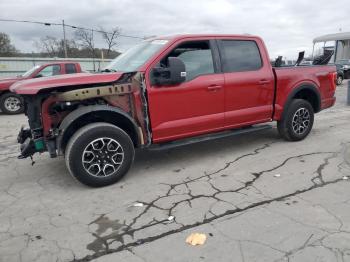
{"x":333,"y":80}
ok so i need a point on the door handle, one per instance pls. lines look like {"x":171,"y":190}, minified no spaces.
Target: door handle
{"x":214,"y":88}
{"x":264,"y":82}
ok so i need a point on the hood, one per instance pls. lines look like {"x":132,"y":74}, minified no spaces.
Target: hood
{"x":10,"y":78}
{"x":5,"y":83}
{"x":34,"y":86}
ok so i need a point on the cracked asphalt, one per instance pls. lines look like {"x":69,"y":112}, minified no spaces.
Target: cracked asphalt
{"x":255,"y":196}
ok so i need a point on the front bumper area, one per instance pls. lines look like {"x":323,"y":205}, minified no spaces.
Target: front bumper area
{"x":28,"y":145}
{"x":32,"y":139}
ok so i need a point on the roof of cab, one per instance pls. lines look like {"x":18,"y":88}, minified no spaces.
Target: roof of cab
{"x":60,"y":62}
{"x":182,"y":36}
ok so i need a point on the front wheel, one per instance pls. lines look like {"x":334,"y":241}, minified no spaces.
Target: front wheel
{"x":297,"y":121}
{"x":11,"y":104}
{"x":99,"y":154}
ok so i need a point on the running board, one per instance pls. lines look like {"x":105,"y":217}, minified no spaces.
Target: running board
{"x":203,"y":138}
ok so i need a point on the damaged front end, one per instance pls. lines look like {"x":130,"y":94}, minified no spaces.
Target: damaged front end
{"x":48,"y":109}
{"x":31,"y":139}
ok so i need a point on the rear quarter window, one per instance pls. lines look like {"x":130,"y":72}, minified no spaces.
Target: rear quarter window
{"x":240,"y":56}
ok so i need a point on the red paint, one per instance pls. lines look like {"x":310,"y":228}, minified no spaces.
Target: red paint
{"x":47,"y":118}
{"x":246,"y":98}
{"x":33,"y":86}
{"x":6,"y":83}
{"x":190,"y":108}
{"x":249,"y":95}
{"x":210,"y":102}
{"x":292,"y":77}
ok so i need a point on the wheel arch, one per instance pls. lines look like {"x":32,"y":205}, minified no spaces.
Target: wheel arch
{"x":97,"y":113}
{"x":307,"y":92}
{"x":4,"y":92}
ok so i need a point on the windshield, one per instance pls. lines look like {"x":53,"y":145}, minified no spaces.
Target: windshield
{"x":30,"y":71}
{"x":136,"y":56}
{"x":343,"y":62}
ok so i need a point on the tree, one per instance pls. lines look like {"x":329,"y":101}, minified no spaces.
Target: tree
{"x":53,"y":47}
{"x":110,"y":38}
{"x":86,"y":39}
{"x":48,"y":45}
{"x":6,"y":48}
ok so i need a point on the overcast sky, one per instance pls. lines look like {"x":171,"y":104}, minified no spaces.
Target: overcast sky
{"x":287,"y":26}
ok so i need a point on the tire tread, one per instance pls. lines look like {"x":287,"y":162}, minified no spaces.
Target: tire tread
{"x":74,"y":140}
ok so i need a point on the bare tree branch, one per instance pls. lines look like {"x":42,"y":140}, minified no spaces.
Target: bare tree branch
{"x":110,"y":38}
{"x":54,"y":47}
{"x":86,"y":39}
{"x":49,"y":45}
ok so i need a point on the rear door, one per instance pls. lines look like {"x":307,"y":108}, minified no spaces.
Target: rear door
{"x":195,"y":106}
{"x":249,"y":82}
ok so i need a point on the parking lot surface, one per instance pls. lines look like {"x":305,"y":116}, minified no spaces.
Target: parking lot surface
{"x":255,"y":196}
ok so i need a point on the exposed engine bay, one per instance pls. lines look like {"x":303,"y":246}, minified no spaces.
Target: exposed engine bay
{"x":52,"y":113}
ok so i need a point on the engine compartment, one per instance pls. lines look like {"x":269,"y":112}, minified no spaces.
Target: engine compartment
{"x":47,"y":110}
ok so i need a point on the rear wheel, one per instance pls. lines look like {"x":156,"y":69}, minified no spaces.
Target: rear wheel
{"x":297,"y":122}
{"x":11,"y":104}
{"x":99,"y":154}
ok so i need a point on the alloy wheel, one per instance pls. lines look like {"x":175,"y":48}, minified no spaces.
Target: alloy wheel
{"x":301,"y":121}
{"x":102,"y":157}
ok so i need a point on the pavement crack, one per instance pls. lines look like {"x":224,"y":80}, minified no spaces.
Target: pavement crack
{"x":321,"y":167}
{"x":209,"y":220}
{"x":185,"y":189}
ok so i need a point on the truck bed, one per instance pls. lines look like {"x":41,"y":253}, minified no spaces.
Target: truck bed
{"x":288,"y":78}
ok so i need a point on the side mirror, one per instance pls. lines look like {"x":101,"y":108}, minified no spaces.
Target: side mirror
{"x":174,"y":74}
{"x":38,"y":75}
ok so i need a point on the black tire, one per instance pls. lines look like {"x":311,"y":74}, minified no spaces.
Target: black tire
{"x":11,"y":104}
{"x":339,"y":80}
{"x":99,"y":133}
{"x":298,"y":110}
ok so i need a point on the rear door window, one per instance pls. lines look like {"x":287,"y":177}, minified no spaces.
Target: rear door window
{"x":240,"y":56}
{"x":70,"y":68}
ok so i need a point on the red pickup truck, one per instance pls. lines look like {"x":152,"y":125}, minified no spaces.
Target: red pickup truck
{"x":11,"y":103}
{"x":166,"y":92}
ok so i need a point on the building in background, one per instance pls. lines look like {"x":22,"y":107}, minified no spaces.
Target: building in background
{"x":339,"y":42}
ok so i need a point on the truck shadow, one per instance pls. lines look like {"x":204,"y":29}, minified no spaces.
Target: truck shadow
{"x":170,"y":161}
{"x":181,"y":157}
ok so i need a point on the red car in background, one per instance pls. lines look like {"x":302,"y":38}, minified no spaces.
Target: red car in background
{"x":11,"y":103}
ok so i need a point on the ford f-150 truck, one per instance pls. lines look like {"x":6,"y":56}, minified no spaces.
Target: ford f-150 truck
{"x":166,"y":92}
{"x":11,"y":103}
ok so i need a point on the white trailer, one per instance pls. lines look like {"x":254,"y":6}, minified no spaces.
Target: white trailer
{"x":339,"y":42}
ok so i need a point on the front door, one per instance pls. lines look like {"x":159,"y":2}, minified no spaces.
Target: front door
{"x":195,"y":106}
